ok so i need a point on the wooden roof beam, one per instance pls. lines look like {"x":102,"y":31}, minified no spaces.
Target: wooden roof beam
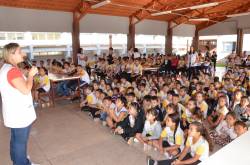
{"x":183,"y":18}
{"x":240,"y":9}
{"x":81,"y":9}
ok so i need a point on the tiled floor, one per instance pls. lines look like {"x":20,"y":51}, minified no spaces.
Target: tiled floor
{"x":66,"y":136}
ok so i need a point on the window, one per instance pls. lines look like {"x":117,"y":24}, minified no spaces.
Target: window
{"x":38,"y":36}
{"x":2,"y":36}
{"x":11,"y":36}
{"x":229,"y":46}
{"x":19,"y":36}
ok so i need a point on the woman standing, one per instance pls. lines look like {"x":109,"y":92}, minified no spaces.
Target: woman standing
{"x":17,"y":103}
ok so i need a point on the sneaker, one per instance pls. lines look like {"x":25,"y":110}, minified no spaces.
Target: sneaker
{"x":136,"y":140}
{"x":130,"y":141}
{"x":150,"y":161}
{"x":167,"y":155}
{"x":34,"y":164}
{"x":96,"y":119}
{"x":104,"y":123}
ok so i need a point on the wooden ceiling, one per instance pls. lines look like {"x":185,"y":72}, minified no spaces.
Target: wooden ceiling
{"x":142,"y":9}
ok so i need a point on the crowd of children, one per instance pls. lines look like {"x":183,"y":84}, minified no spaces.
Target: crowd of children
{"x":177,"y":113}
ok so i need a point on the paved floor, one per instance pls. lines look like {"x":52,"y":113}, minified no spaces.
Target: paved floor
{"x":66,"y":136}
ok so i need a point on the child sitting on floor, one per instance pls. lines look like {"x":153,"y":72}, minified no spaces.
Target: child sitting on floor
{"x":240,"y":128}
{"x":172,"y":136}
{"x":219,"y":114}
{"x":224,"y":132}
{"x":151,"y":131}
{"x":43,"y":84}
{"x":133,"y":124}
{"x":119,"y":114}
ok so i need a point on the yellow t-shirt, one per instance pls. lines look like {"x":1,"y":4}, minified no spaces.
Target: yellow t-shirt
{"x":44,"y":82}
{"x":91,"y":99}
{"x":200,"y":148}
{"x":168,"y":134}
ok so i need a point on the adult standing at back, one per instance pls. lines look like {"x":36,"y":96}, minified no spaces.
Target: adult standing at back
{"x":192,"y":56}
{"x":17,"y":104}
{"x":82,"y":58}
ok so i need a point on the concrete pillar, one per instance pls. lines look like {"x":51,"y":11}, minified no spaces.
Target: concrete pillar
{"x":239,"y":45}
{"x":169,"y":39}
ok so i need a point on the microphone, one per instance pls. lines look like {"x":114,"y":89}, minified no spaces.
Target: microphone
{"x":28,"y":62}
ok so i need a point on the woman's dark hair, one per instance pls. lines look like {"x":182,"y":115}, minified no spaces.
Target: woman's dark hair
{"x":45,"y":70}
{"x":123,"y":100}
{"x":136,"y":106}
{"x":154,"y":112}
{"x":175,"y":117}
{"x":232,"y":114}
{"x":203,"y":131}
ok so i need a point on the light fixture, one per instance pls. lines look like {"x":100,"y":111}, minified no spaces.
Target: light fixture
{"x":100,"y":4}
{"x":239,"y":14}
{"x":186,"y":8}
{"x":199,"y":19}
{"x":204,"y":5}
{"x":161,"y":13}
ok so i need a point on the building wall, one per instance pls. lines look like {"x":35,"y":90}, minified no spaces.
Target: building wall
{"x":22,"y":20}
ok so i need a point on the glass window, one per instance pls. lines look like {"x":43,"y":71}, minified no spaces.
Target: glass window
{"x":229,"y":46}
{"x":2,"y":36}
{"x":42,"y":36}
{"x":11,"y":36}
{"x":20,"y":36}
{"x":51,"y":36}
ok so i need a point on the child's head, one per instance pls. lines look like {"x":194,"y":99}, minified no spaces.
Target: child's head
{"x":121,"y":102}
{"x":199,"y":97}
{"x":244,"y":102}
{"x":240,"y":128}
{"x":237,"y":95}
{"x":171,"y":108}
{"x":231,"y":118}
{"x":191,"y":104}
{"x":66,"y":65}
{"x":116,"y":91}
{"x":154,"y":101}
{"x":152,"y":115}
{"x":131,"y":97}
{"x":88,"y":90}
{"x":222,"y":101}
{"x":183,"y":91}
{"x":172,"y":120}
{"x":197,"y":114}
{"x":197,"y":129}
{"x":176,"y":99}
{"x":170,"y":95}
{"x":146,"y":102}
{"x":98,"y":93}
{"x":153,"y":92}
{"x":107,"y":101}
{"x":43,"y":71}
{"x":134,"y":109}
{"x":95,"y":85}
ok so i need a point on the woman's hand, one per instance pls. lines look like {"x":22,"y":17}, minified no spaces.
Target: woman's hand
{"x":33,"y":71}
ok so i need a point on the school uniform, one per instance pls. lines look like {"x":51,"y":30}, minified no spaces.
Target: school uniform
{"x":152,"y":131}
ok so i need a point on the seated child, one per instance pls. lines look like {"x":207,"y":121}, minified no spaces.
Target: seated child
{"x":43,"y":85}
{"x":90,"y":101}
{"x":119,"y":114}
{"x":241,"y":109}
{"x":132,"y":126}
{"x":240,"y":128}
{"x":201,"y":103}
{"x":224,"y":132}
{"x":156,"y":105}
{"x":172,"y":137}
{"x":219,"y":114}
{"x":151,"y":131}
{"x":195,"y":151}
{"x":107,"y":106}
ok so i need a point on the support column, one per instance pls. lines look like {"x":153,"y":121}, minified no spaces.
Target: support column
{"x":169,"y":39}
{"x":239,"y":46}
{"x":110,"y":40}
{"x":75,"y":36}
{"x":131,"y":34}
{"x":195,"y":43}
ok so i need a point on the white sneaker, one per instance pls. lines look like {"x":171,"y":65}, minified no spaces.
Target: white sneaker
{"x":104,"y":123}
{"x":136,"y":140}
{"x":130,"y":141}
{"x":96,"y":119}
{"x":34,"y":164}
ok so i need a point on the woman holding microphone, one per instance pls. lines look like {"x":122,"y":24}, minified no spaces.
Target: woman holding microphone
{"x":17,"y":104}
